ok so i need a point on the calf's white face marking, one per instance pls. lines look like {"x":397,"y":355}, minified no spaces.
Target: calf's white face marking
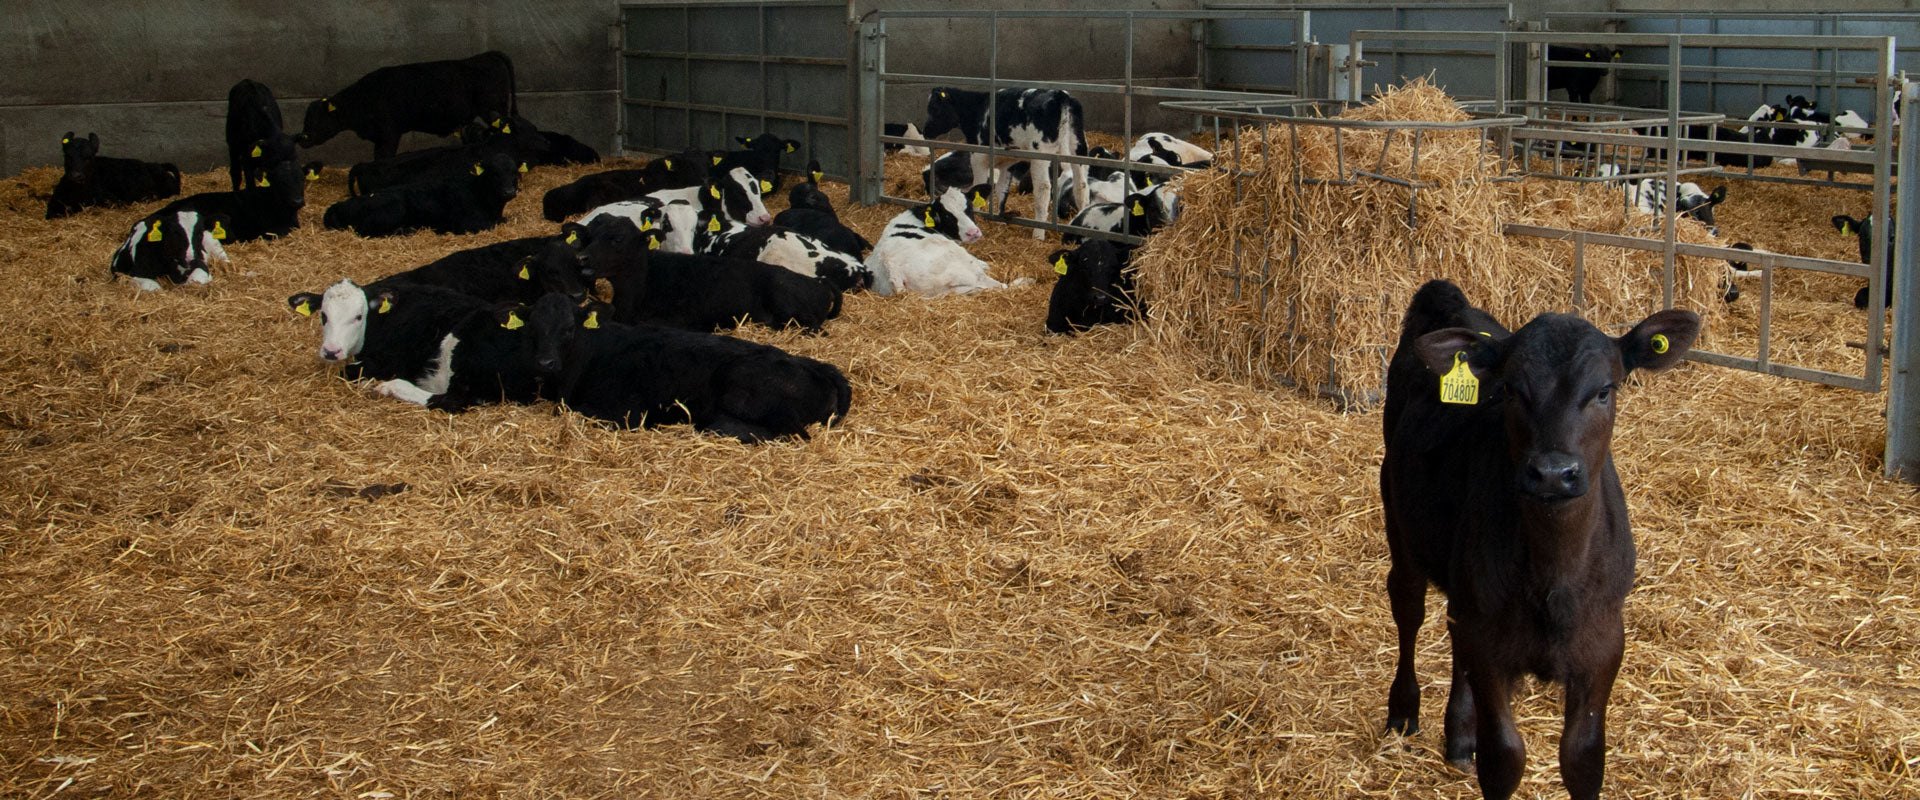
{"x":756,"y":210}
{"x":956,"y":204}
{"x":343,"y":322}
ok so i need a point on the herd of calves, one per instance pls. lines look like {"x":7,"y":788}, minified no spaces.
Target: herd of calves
{"x":614,"y":315}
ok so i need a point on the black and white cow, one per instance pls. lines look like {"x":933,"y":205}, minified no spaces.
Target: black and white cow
{"x":782,"y":247}
{"x":1037,"y":120}
{"x":1095,"y":288}
{"x":735,"y":193}
{"x":1165,"y":148}
{"x":920,"y":251}
{"x":464,"y":204}
{"x":646,"y":376}
{"x":176,"y":246}
{"x":1863,"y":229}
{"x":761,"y":158}
{"x":92,"y":179}
{"x":676,"y":171}
{"x":268,"y":209}
{"x":696,"y":292}
{"x":905,"y":130}
{"x":1140,"y":214}
{"x":386,"y":330}
{"x":1649,"y":195}
{"x":256,"y":138}
{"x":437,"y":97}
{"x":677,"y":221}
{"x":488,"y":356}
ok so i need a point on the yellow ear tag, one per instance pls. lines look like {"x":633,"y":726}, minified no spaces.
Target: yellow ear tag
{"x":930,"y":219}
{"x":573,"y":237}
{"x":498,"y":123}
{"x":1139,"y":210}
{"x":1846,"y":229}
{"x":1149,"y":183}
{"x":715,"y":191}
{"x":313,"y":174}
{"x":713,"y":225}
{"x":943,"y":95}
{"x":524,"y":274}
{"x":256,"y":151}
{"x":1660,"y":343}
{"x":1060,"y":265}
{"x":766,"y":186}
{"x":1459,"y":386}
{"x":818,"y":176}
{"x":1588,"y":55}
{"x":305,"y":308}
{"x":330,"y":106}
{"x":386,"y":305}
{"x":264,"y":183}
{"x":645,"y":224}
{"x":523,"y":166}
{"x":716,"y":160}
{"x":66,"y":140}
{"x":789,"y":148}
{"x":593,"y":321}
{"x":506,"y":129}
{"x":653,"y":244}
{"x":669,"y":163}
{"x":477,"y":170}
{"x":154,"y":235}
{"x":979,"y":202}
{"x":218,"y":232}
{"x":513,"y":322}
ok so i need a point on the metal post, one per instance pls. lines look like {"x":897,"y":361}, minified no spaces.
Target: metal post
{"x":872,"y":167}
{"x":1903,"y":397}
{"x":1673,"y":168}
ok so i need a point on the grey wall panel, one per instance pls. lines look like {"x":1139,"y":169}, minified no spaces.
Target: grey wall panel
{"x":152,"y":78}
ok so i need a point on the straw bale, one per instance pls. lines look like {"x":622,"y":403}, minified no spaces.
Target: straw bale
{"x":1026,"y":565}
{"x":1298,"y":271}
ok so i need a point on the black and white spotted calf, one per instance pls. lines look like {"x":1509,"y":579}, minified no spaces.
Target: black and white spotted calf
{"x":676,"y":171}
{"x":174,"y":246}
{"x":921,"y":251}
{"x":782,"y":247}
{"x":92,"y":179}
{"x":268,"y":209}
{"x":1037,"y":120}
{"x":1140,"y":214}
{"x":386,"y":330}
{"x":696,"y":292}
{"x":761,"y":158}
{"x":736,"y":193}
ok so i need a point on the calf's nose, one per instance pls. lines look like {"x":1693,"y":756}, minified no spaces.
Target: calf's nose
{"x":330,"y":353}
{"x":1554,"y":476}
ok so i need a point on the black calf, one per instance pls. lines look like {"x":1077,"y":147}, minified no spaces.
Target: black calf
{"x":1095,"y":288}
{"x":696,"y":292}
{"x":269,"y":208}
{"x":437,"y":97}
{"x":92,"y":179}
{"x":466,"y":204}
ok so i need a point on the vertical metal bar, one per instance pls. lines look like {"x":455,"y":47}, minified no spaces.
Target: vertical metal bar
{"x":871,"y":157}
{"x":1673,"y":169}
{"x":993,"y":110}
{"x":1903,"y":396}
{"x":1500,"y":52}
{"x":1878,"y":256}
{"x":1126,"y":101}
{"x":1302,"y":30}
{"x":1765,"y":355}
{"x":760,"y":18}
{"x":1579,"y":273}
{"x":686,"y":76}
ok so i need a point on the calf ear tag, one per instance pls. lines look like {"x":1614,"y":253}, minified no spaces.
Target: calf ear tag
{"x":1139,"y":210}
{"x":979,"y":202}
{"x":313,"y":174}
{"x":154,"y":235}
{"x":506,"y":129}
{"x":716,"y":160}
{"x":1660,"y":345}
{"x":524,"y":274}
{"x":713,"y":225}
{"x":66,"y":140}
{"x":264,"y":183}
{"x":715,"y":191}
{"x":789,"y":147}
{"x":1060,"y":265}
{"x":593,"y":321}
{"x":305,"y":308}
{"x":1459,"y":386}
{"x":523,"y":166}
{"x":386,"y":305}
{"x":645,"y":225}
{"x":818,"y":176}
{"x":477,"y":170}
{"x":331,"y":107}
{"x":669,"y":163}
{"x":513,"y":322}
{"x":929,"y":219}
{"x":653,"y":244}
{"x":766,"y":186}
{"x":218,"y":232}
{"x":256,"y":151}
{"x":1846,"y":229}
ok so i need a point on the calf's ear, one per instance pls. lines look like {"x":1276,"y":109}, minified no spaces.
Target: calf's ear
{"x":1659,"y":341}
{"x":1480,"y":352}
{"x":574,"y":233}
{"x":1719,"y":195}
{"x":304,"y":303}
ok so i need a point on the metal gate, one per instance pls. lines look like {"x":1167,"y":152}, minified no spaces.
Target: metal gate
{"x":1271,"y":55}
{"x":697,"y":75}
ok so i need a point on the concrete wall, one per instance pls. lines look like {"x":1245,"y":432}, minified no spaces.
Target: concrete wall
{"x":152,"y":77}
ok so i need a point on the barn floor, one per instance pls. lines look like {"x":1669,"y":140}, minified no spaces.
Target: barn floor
{"x":1026,"y":566}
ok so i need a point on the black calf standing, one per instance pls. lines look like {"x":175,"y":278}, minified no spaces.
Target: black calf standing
{"x":1505,"y":497}
{"x":1578,"y":81}
{"x":465,"y":204}
{"x":92,"y":179}
{"x":255,"y":136}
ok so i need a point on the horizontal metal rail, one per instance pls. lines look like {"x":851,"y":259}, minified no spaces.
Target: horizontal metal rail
{"x":734,"y":111}
{"x":740,"y":58}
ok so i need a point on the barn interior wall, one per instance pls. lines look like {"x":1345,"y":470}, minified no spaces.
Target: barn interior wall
{"x":152,"y":78}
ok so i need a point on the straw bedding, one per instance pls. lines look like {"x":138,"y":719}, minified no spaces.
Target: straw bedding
{"x":1026,"y":566}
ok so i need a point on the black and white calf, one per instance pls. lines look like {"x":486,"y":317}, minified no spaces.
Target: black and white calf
{"x":735,"y":194}
{"x":1095,"y":288}
{"x":464,"y":204}
{"x":905,"y":131}
{"x":488,"y":356}
{"x":1037,"y":120}
{"x":696,"y":292}
{"x":920,"y":251}
{"x":761,"y":158}
{"x":646,"y":376}
{"x":1140,"y":214}
{"x":676,"y":171}
{"x":782,"y":247}
{"x":386,"y":330}
{"x":268,"y":209}
{"x":1165,"y":148}
{"x":677,"y":221}
{"x":92,"y":179}
{"x":811,"y":213}
{"x":255,"y":137}
{"x":171,"y":245}
{"x":1649,"y":195}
